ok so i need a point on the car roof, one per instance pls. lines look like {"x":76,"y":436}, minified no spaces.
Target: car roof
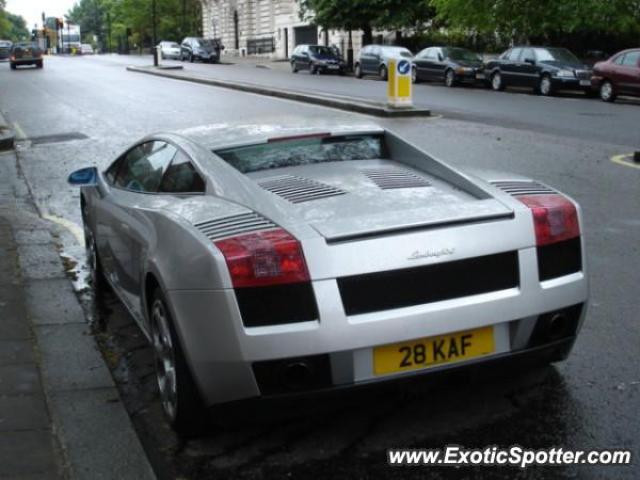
{"x":224,"y":135}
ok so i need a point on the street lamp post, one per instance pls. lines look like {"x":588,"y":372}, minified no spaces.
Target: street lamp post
{"x":155,"y":33}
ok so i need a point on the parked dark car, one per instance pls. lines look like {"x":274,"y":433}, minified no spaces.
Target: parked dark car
{"x":25,"y":53}
{"x":545,"y":69}
{"x":620,"y":75}
{"x":449,"y":65}
{"x":202,"y":49}
{"x":317,"y":59}
{"x":5,"y":49}
{"x":373,"y":59}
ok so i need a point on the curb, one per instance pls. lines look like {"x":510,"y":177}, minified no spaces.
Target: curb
{"x":332,"y":101}
{"x":95,"y":433}
{"x":7,"y":137}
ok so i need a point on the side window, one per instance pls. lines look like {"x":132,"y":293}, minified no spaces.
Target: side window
{"x":619,"y":59}
{"x":182,"y":177}
{"x":528,"y":53}
{"x":143,"y":166}
{"x":505,"y":55}
{"x":631,"y":59}
{"x":514,"y":55}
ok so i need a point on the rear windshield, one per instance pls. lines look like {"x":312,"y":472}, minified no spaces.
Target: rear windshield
{"x":320,"y":50}
{"x":306,"y":151}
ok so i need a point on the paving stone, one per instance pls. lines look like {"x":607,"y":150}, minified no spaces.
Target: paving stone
{"x":19,"y":379}
{"x":33,"y":236}
{"x":13,"y":317}
{"x":26,"y":453}
{"x":70,"y":359}
{"x":85,"y":416}
{"x":16,"y":351}
{"x":52,"y":302}
{"x":23,"y":412}
{"x":40,"y":262}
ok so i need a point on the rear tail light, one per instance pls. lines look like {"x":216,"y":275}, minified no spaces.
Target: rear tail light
{"x":272,"y":257}
{"x":555,"y":218}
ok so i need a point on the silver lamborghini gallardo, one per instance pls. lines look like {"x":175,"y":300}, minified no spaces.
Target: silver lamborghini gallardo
{"x":266,"y":261}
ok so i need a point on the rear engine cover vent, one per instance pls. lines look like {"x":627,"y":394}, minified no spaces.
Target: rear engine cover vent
{"x":516,"y":188}
{"x":298,"y":189}
{"x":234,"y":225}
{"x":391,"y":178}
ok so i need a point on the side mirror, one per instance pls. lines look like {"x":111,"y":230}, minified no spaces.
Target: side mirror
{"x":440,"y":57}
{"x":85,"y":177}
{"x":530,"y":61}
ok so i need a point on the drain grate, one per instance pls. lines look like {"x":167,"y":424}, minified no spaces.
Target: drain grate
{"x":56,"y":138}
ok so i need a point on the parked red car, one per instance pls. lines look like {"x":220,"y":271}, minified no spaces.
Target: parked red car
{"x":620,"y":75}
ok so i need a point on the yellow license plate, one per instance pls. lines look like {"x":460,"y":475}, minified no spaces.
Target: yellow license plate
{"x":428,"y":352}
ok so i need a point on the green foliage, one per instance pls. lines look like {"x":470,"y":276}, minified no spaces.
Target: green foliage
{"x":526,"y":19}
{"x":175,"y":19}
{"x":12,"y":27}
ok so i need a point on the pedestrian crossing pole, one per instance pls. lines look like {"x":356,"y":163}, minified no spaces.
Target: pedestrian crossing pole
{"x":399,"y":94}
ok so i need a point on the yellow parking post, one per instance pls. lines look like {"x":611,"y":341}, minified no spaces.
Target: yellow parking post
{"x":399,"y":94}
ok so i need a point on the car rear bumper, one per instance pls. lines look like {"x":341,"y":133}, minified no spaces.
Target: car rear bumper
{"x":223,"y":354}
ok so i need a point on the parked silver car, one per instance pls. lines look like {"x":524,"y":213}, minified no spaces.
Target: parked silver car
{"x":373,"y":60}
{"x":262,"y":261}
{"x":169,"y":50}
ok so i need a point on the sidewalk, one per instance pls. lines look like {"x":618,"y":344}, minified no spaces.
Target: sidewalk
{"x":60,"y":412}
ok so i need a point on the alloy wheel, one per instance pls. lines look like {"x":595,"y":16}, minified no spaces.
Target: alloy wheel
{"x":545,"y":85}
{"x":496,"y":81}
{"x":606,"y":91}
{"x":449,"y":78}
{"x":414,"y":75}
{"x":383,"y":72}
{"x":164,"y":359}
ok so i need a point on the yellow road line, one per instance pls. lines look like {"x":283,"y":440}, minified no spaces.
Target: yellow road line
{"x":625,"y":160}
{"x":74,"y":228}
{"x":19,"y":131}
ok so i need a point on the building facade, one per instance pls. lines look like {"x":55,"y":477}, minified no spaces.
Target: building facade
{"x":270,"y":28}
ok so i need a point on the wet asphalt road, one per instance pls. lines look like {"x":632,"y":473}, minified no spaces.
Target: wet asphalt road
{"x":84,"y":111}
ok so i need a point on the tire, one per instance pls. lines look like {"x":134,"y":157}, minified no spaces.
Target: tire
{"x":191,"y":58}
{"x":314,"y":69}
{"x":181,"y":402}
{"x":14,"y":66}
{"x":39,"y":64}
{"x":358,"y":71}
{"x":414,"y":75}
{"x":450,"y":78}
{"x":496,"y":82}
{"x":294,"y":68}
{"x":383,"y":73}
{"x":607,"y":92}
{"x":545,"y":87}
{"x":98,"y":280}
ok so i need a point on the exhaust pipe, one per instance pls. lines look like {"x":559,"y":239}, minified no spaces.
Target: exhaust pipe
{"x":296,"y":375}
{"x":556,"y":326}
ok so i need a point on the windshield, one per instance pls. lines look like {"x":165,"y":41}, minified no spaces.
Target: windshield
{"x":306,"y":151}
{"x":555,"y":54}
{"x":208,"y":43}
{"x":461,"y":54}
{"x":320,"y":50}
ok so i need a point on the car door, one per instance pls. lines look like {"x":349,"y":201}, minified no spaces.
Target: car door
{"x":509,"y":67}
{"x":122,"y":214}
{"x":527,"y":68}
{"x":370,"y":60}
{"x":421,"y":63}
{"x":629,"y":73}
{"x":184,"y":49}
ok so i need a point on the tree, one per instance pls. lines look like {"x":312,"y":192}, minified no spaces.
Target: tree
{"x":12,"y":27}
